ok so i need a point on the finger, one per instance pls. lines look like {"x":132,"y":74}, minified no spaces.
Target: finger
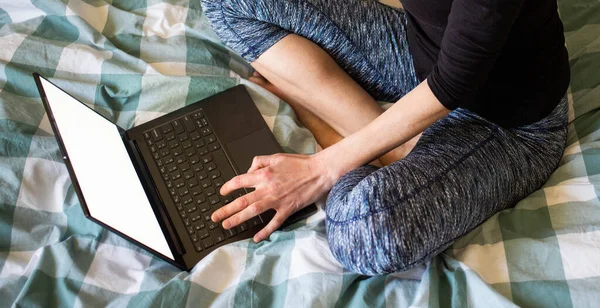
{"x":234,"y":207}
{"x":256,"y":74}
{"x":241,"y":181}
{"x":247,"y":213}
{"x":259,"y":162}
{"x":275,"y":223}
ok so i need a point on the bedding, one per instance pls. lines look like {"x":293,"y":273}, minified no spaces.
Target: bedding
{"x":134,"y":60}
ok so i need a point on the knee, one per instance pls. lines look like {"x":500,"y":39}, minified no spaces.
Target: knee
{"x":367,"y":232}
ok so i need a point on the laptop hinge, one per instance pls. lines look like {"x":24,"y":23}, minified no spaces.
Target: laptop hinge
{"x":152,"y":192}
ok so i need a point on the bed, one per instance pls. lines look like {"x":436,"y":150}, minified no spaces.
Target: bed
{"x":135,"y":60}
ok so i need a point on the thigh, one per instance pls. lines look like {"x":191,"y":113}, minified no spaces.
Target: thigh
{"x":366,"y":38}
{"x":463,"y":170}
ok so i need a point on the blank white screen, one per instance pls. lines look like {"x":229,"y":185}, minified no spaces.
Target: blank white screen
{"x":108,"y":181}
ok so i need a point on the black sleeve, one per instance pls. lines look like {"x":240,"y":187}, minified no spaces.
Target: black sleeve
{"x":475,"y":35}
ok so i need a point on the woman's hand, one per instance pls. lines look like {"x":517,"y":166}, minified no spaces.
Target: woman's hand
{"x":283,"y":182}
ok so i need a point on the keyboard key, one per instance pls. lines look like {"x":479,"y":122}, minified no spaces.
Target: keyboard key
{"x":199,"y":123}
{"x":196,"y":190}
{"x":192,"y":182}
{"x":164,"y":152}
{"x":153,"y":149}
{"x":173,"y":144}
{"x":230,"y":232}
{"x":166,"y":128}
{"x":214,"y":174}
{"x":175,"y":175}
{"x":199,"y":199}
{"x":206,"y":131}
{"x":177,"y":151}
{"x":207,"y":216}
{"x":194,"y":238}
{"x":242,"y":227}
{"x":147,"y":135}
{"x":186,"y":144}
{"x":255,"y":221}
{"x":201,"y":175}
{"x":198,"y":247}
{"x":187,"y":200}
{"x":169,"y":184}
{"x":212,"y":225}
{"x":177,"y":127}
{"x":171,"y":167}
{"x":188,"y":174}
{"x":187,"y":222}
{"x":162,"y":170}
{"x":176,"y":199}
{"x":217,"y":235}
{"x":204,"y":233}
{"x":156,"y":135}
{"x":205,"y":183}
{"x":211,"y":166}
{"x":213,"y":200}
{"x":218,"y":182}
{"x":168,"y":159}
{"x":209,"y":191}
{"x":206,"y":159}
{"x":196,"y":217}
{"x":180,"y":159}
{"x":192,"y":209}
{"x":179,"y":183}
{"x":203,"y":150}
{"x":190,"y":152}
{"x":199,"y":225}
{"x":179,"y":207}
{"x":195,"y":136}
{"x":182,"y":137}
{"x":149,"y":142}
{"x":207,"y":242}
{"x":227,"y":199}
{"x":194,"y":159}
{"x":198,"y":143}
{"x":173,"y":191}
{"x":182,"y":214}
{"x":159,"y":162}
{"x":161,"y":144}
{"x":170,"y":136}
{"x":204,"y":121}
{"x":190,"y":229}
{"x":189,"y":124}
{"x":156,"y":156}
{"x":197,"y":115}
{"x":210,"y":139}
{"x":165,"y":176}
{"x":183,"y":191}
{"x":204,"y":207}
{"x":184,"y":166}
{"x":214,"y":146}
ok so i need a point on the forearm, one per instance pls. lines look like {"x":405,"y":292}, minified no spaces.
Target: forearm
{"x":407,"y":118}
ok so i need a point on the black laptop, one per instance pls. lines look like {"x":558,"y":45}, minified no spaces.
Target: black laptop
{"x":157,"y":184}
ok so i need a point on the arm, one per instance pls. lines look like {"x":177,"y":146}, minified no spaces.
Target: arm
{"x":407,"y":118}
{"x":287,"y":183}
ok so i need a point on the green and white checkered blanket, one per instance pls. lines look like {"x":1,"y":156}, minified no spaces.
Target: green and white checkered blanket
{"x":137,"y":59}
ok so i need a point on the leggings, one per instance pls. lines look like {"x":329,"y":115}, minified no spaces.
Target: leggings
{"x":464,"y":168}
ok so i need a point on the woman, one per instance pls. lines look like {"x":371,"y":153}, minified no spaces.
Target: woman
{"x":479,"y":123}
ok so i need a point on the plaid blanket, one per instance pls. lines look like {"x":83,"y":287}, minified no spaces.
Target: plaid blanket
{"x":135,"y":60}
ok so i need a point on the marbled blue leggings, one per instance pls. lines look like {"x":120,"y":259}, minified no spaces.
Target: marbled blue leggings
{"x":463,"y":170}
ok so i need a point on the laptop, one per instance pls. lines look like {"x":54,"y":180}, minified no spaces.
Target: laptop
{"x":157,"y":184}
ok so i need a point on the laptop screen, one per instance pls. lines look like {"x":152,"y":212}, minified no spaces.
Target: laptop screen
{"x":108,"y":181}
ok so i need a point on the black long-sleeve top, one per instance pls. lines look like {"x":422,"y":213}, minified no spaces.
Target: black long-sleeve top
{"x":503,"y":59}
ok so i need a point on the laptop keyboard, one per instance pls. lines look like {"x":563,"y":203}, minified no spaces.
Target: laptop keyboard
{"x":186,"y":152}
